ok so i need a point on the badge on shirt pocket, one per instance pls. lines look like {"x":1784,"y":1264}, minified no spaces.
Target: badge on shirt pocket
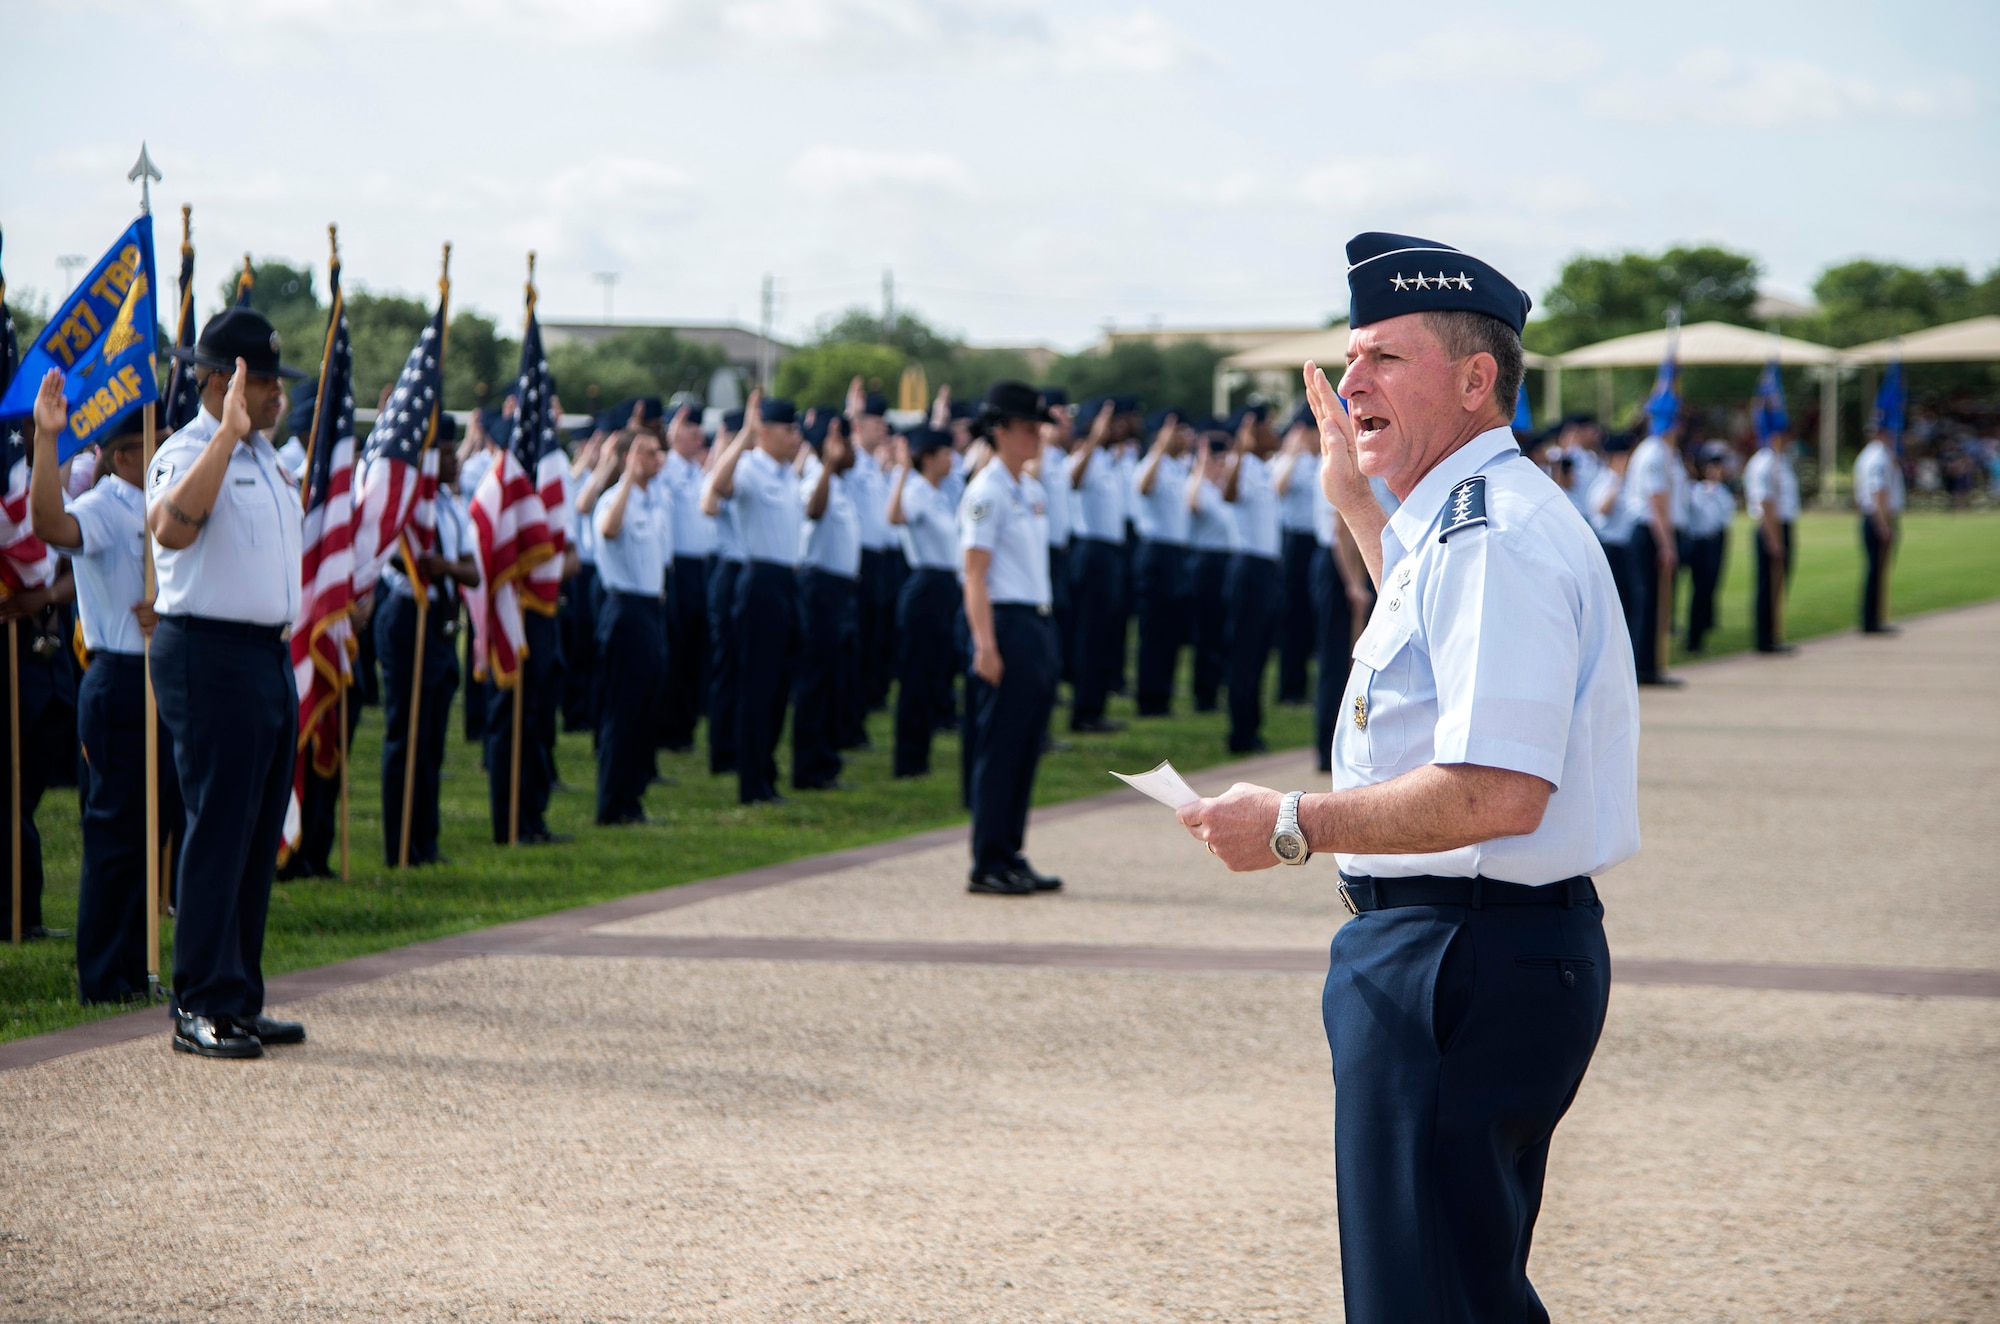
{"x":1374,"y":736}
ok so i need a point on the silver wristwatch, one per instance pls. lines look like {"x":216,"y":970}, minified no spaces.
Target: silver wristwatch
{"x":1287,"y":842}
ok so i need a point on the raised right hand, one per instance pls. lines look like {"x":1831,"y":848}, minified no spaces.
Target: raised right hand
{"x":51,"y":410}
{"x":235,"y":413}
{"x":1340,"y":475}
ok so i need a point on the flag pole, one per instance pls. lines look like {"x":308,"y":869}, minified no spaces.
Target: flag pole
{"x":521,"y":664}
{"x":154,"y":871}
{"x":14,"y":763}
{"x":422,"y":594}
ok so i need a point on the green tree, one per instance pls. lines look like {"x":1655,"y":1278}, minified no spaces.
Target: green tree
{"x":649,"y":361}
{"x":972,"y":370}
{"x":381,"y":328}
{"x":1868,"y":300}
{"x":1180,"y":376}
{"x":819,"y":374}
{"x":479,"y":362}
{"x":285,"y":293}
{"x":1598,"y":297}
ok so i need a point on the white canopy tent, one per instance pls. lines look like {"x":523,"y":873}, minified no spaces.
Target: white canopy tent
{"x":1290,"y":355}
{"x":1709,"y":344}
{"x":1975,"y":340}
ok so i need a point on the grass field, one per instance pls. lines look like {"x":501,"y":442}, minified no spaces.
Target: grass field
{"x":701,"y":832}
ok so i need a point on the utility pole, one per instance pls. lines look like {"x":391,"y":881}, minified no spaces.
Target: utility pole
{"x":888,"y":302}
{"x":607,"y":279}
{"x":764,"y":338}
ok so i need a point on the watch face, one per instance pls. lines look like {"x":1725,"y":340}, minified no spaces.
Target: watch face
{"x":1288,"y":846}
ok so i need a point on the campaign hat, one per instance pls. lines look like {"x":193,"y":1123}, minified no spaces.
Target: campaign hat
{"x":1392,"y":274}
{"x":1008,"y":399}
{"x":238,"y":332}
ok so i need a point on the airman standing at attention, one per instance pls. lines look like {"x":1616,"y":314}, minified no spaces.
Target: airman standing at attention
{"x":1878,"y":492}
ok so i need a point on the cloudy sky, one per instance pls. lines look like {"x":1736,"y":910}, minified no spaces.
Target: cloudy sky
{"x":1030,"y":169}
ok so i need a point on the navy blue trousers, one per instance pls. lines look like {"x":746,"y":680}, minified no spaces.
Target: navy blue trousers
{"x":1768,"y":587}
{"x":1097,"y":579}
{"x":924,"y":614}
{"x":1006,"y":724}
{"x":1705,"y":562}
{"x":1875,"y":585}
{"x":1209,"y":571}
{"x":396,"y":646}
{"x":632,"y":666}
{"x":1459,"y":1038}
{"x":722,"y":664}
{"x":1065,"y":611}
{"x":578,"y":615}
{"x":684,"y":690}
{"x":1333,"y":646}
{"x":1251,"y":587}
{"x":45,"y":712}
{"x":767,"y":650}
{"x":825,"y":686}
{"x":1163,"y":590}
{"x":111,"y":901}
{"x":1297,"y":631}
{"x":541,"y":675}
{"x":226,"y":695}
{"x":875,"y":623}
{"x":1647,"y":592}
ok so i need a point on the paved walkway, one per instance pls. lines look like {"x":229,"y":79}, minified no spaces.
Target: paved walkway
{"x":845,"y":1090}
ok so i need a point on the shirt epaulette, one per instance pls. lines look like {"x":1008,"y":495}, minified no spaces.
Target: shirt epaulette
{"x":1465,"y":507}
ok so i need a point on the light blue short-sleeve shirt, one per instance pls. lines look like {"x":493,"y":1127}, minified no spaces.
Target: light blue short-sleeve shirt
{"x":769,"y":510}
{"x":832,"y":543}
{"x":1212,"y":522}
{"x":1256,"y":509}
{"x":1097,"y":506}
{"x":1162,"y":514}
{"x":109,"y":561}
{"x":1498,"y":641}
{"x":243,"y":565}
{"x":930,"y":526}
{"x":694,"y":532}
{"x":636,"y":560}
{"x":1008,"y":517}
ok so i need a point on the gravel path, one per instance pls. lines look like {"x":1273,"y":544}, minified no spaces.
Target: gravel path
{"x":594,"y":1138}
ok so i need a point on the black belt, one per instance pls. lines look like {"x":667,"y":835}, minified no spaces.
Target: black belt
{"x":1039,"y":608}
{"x":1363,"y":894}
{"x":638,"y":598}
{"x":275,"y":634}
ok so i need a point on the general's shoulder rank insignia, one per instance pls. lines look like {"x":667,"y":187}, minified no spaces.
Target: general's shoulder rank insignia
{"x":1465,"y":507}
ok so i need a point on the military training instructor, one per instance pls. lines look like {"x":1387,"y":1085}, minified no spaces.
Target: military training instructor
{"x":1485,"y":766}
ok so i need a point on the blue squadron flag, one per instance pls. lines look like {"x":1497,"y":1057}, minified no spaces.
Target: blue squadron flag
{"x":1890,"y":399}
{"x":1769,"y":407}
{"x":1663,"y":406}
{"x":184,"y":389}
{"x":101,"y":337}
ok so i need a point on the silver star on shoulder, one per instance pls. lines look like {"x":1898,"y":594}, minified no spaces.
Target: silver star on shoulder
{"x":1397,"y":282}
{"x":1464,"y":281}
{"x":1423,"y":281}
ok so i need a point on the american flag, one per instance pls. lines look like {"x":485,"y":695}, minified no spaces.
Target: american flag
{"x":25,"y":560}
{"x":323,"y":636}
{"x":513,"y":534}
{"x":398,"y":493}
{"x":184,"y":392}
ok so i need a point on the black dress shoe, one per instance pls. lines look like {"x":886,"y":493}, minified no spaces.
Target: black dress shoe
{"x":1003,"y":883}
{"x":41,"y":933}
{"x":1663,"y":681}
{"x":1882,"y":629}
{"x":544,"y":837}
{"x":1044,"y":882}
{"x":213,"y":1036}
{"x":271,"y":1030}
{"x":1102,"y":726}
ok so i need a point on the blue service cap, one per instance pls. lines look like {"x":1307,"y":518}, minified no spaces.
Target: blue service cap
{"x":874,"y":405}
{"x":1258,"y":412}
{"x":923,"y":440}
{"x":1617,"y":443}
{"x":1128,"y":404}
{"x":1158,"y":418}
{"x":732,"y":420}
{"x":1051,"y":396}
{"x":777,"y":409}
{"x":1302,"y":417}
{"x":1392,"y":274}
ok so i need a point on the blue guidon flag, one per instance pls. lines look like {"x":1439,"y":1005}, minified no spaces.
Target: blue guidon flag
{"x":1890,"y":400}
{"x":101,"y":337}
{"x":1769,"y":407}
{"x":1663,"y":406}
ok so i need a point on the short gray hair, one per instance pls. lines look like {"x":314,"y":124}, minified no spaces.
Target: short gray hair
{"x":1464,"y":334}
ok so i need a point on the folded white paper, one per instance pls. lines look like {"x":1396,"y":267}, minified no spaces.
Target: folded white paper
{"x":1163,"y":784}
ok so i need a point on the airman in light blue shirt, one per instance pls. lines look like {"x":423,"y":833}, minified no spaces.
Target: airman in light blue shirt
{"x":244,"y":565}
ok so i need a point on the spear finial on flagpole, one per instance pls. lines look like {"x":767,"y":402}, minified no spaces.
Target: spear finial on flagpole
{"x":145,"y":172}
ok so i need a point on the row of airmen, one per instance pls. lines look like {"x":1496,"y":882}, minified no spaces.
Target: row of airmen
{"x":806,"y":560}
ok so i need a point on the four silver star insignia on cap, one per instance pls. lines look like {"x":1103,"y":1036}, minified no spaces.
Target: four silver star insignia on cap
{"x":1441,"y":281}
